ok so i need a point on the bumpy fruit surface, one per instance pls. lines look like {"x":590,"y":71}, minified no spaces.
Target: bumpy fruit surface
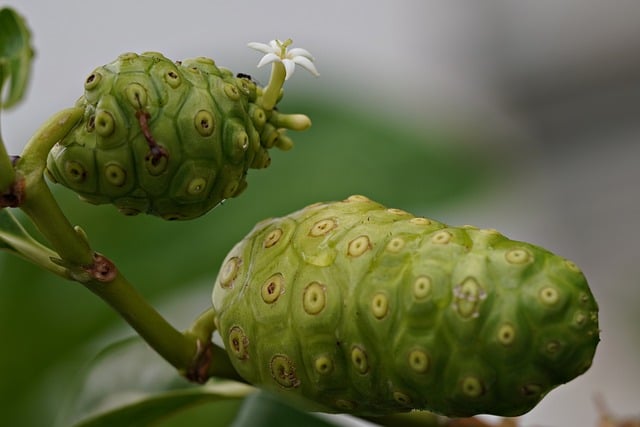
{"x":169,"y":139}
{"x":368,"y":310}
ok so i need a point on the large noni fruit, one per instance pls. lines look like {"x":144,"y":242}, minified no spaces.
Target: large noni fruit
{"x":368,"y":310}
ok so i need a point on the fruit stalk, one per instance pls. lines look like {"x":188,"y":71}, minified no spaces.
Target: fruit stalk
{"x":38,"y":202}
{"x":7,"y":174}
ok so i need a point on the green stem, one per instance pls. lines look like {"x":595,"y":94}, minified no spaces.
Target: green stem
{"x":204,"y":326}
{"x":38,"y":202}
{"x":271,"y":93}
{"x":175,"y":347}
{"x":14,"y":238}
{"x":7,"y":174}
{"x":40,"y":205}
{"x":34,"y":156}
{"x":220,"y":366}
{"x":178,"y":349}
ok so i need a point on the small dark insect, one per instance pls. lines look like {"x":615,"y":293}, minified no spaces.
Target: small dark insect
{"x":244,"y":76}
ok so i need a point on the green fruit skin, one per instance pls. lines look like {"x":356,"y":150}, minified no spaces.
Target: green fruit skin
{"x":203,"y":117}
{"x":368,"y":310}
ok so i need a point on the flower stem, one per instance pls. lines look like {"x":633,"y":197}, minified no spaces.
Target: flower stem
{"x":271,"y":93}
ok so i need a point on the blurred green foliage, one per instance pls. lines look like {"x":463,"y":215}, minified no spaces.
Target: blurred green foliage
{"x":46,"y":322}
{"x":16,"y":54}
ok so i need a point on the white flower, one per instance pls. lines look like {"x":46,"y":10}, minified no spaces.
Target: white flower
{"x":277,"y":51}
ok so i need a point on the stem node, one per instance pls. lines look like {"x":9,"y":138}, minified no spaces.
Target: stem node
{"x":198,"y":372}
{"x":14,"y":196}
{"x":103,"y":269}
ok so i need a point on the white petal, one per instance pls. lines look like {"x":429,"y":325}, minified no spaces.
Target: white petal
{"x":260,"y":47}
{"x":306,"y":64}
{"x":268,"y":59}
{"x":275,"y":46}
{"x":289,"y":67}
{"x":298,"y":51}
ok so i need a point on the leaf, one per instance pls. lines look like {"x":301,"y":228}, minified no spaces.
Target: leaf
{"x":274,"y":412}
{"x":155,"y":408}
{"x":8,"y":224}
{"x":127,"y":384}
{"x":14,"y":238}
{"x":12,"y":234}
{"x":210,"y":414}
{"x":16,"y":54}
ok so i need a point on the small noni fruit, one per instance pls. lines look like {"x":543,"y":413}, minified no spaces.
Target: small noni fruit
{"x":172,"y":139}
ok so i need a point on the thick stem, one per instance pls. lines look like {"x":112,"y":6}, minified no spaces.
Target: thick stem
{"x":221,"y":367}
{"x":38,"y":202}
{"x":34,"y":155}
{"x":180,"y":350}
{"x":45,"y":213}
{"x":7,"y":174}
{"x":271,"y":93}
{"x":175,"y":347}
{"x":219,"y":364}
{"x":191,"y":353}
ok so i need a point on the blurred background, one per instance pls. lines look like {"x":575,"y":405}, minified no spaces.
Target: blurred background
{"x":520,"y":116}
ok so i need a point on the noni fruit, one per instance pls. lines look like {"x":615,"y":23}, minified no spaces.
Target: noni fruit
{"x":169,"y":139}
{"x":367,"y":310}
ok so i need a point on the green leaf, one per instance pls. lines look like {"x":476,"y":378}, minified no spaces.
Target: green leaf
{"x":8,"y":225}
{"x":14,"y":238}
{"x":274,"y":412}
{"x":155,"y":408}
{"x":210,"y":414}
{"x":127,"y":384}
{"x":16,"y":54}
{"x":12,"y":234}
